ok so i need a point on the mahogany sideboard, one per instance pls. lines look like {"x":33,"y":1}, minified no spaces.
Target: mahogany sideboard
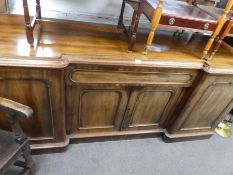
{"x":85,"y":85}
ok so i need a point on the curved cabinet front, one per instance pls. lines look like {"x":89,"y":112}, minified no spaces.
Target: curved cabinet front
{"x":209,"y":104}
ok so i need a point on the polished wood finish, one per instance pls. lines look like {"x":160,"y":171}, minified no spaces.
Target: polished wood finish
{"x":37,"y":20}
{"x":225,"y":32}
{"x":221,"y":22}
{"x":150,"y":107}
{"x":83,"y":85}
{"x":172,"y":15}
{"x":125,"y":100}
{"x":227,"y":29}
{"x":211,"y":98}
{"x":13,"y":146}
{"x":31,"y":24}
{"x":47,"y":127}
{"x":42,"y":90}
{"x":154,"y":23}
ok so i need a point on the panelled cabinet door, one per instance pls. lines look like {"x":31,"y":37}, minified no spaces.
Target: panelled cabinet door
{"x":208,"y":105}
{"x":149,"y":107}
{"x":95,"y":108}
{"x":42,"y":90}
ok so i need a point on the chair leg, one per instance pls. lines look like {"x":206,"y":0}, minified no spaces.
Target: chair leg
{"x":25,"y":172}
{"x":28,"y":27}
{"x":154,"y":24}
{"x":133,"y":30}
{"x":28,"y":159}
{"x":121,"y":17}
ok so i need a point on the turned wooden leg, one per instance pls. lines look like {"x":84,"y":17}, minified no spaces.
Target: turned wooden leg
{"x":154,"y":24}
{"x":28,"y":159}
{"x":38,"y":9}
{"x":134,"y":25}
{"x":133,"y":30}
{"x":219,"y":27}
{"x":223,"y":34}
{"x":215,"y":48}
{"x":28,"y":27}
{"x":21,"y":138}
{"x":212,"y":38}
{"x":29,"y":34}
{"x":209,"y":44}
{"x":121,"y":17}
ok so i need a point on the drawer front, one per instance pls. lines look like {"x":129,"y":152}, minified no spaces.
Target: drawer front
{"x":129,"y":77}
{"x":204,"y":26}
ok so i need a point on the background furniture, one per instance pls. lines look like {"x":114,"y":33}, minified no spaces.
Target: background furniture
{"x":3,"y":6}
{"x":176,"y":15}
{"x":227,"y":29}
{"x":13,"y":146}
{"x":30,"y":25}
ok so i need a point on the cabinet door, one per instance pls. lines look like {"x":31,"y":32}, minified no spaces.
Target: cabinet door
{"x":208,"y":105}
{"x":43,"y":91}
{"x":95,"y":108}
{"x":149,"y":107}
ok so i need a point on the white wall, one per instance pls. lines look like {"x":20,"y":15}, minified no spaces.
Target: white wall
{"x":106,"y":11}
{"x":99,"y":11}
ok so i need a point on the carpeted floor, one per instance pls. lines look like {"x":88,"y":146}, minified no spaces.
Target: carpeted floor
{"x":140,"y":157}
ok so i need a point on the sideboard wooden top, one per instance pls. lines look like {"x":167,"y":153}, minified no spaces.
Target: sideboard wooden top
{"x":59,"y":45}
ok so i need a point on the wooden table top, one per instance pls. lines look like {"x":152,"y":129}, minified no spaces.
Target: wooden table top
{"x":60,"y":44}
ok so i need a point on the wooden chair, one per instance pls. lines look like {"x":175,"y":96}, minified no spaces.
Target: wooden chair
{"x":13,"y":146}
{"x":30,"y":25}
{"x":176,"y":15}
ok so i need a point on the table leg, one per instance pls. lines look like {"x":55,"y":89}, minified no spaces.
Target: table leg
{"x":154,"y":24}
{"x":121,"y":17}
{"x":223,"y":34}
{"x":133,"y":30}
{"x":28,"y":27}
{"x":134,"y":25}
{"x":218,"y":29}
{"x":38,"y":9}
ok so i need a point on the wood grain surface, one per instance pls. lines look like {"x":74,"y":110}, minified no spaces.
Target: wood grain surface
{"x":84,"y":84}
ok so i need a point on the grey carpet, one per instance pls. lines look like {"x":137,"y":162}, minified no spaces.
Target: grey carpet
{"x":141,"y":157}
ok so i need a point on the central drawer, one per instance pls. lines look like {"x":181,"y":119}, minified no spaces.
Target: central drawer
{"x":128,"y":77}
